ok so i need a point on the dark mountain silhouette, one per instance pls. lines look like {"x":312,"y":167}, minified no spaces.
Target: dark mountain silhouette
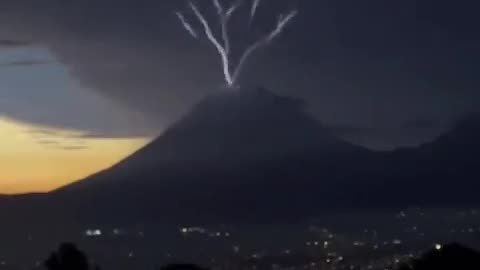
{"x":254,"y":156}
{"x":231,"y":129}
{"x":440,"y":173}
{"x":453,"y":256}
{"x":258,"y":154}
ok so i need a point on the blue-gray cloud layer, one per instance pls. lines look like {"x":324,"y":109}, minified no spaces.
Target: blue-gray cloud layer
{"x":360,"y":63}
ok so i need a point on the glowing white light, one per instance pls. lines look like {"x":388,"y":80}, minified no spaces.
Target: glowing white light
{"x":186,"y":25}
{"x":232,"y":73}
{"x":358,"y":244}
{"x":253,"y":11}
{"x":218,"y":6}
{"x":95,"y":232}
{"x":397,"y":242}
{"x":438,"y":247}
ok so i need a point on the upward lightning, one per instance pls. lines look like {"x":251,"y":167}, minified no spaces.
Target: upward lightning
{"x":186,"y":25}
{"x":232,"y":72}
{"x":253,"y":10}
{"x":222,"y":49}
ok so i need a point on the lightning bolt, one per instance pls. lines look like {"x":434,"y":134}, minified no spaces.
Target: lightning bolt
{"x":218,"y":6}
{"x":224,"y":25}
{"x":282,"y":22}
{"x":231,"y":71}
{"x":253,"y":11}
{"x":221,"y":50}
{"x":232,"y":9}
{"x":186,"y":25}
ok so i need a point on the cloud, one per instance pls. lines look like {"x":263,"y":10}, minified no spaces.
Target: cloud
{"x":11,"y":43}
{"x":422,"y":124}
{"x":42,"y":133}
{"x":25,"y":63}
{"x":353,"y":130}
{"x":53,"y":99}
{"x":60,"y":139}
{"x":73,"y":148}
{"x":373,"y":65}
{"x":48,"y":142}
{"x":107,"y":136}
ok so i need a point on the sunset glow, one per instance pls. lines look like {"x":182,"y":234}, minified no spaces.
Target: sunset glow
{"x":38,"y":159}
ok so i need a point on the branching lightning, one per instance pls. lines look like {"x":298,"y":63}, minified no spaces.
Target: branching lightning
{"x":253,"y":11}
{"x":282,"y":22}
{"x":221,"y":49}
{"x":218,"y":6}
{"x":186,"y":25}
{"x":232,"y":74}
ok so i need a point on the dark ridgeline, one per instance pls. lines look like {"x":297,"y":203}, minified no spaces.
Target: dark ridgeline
{"x":450,"y":257}
{"x":69,"y":257}
{"x":251,"y":156}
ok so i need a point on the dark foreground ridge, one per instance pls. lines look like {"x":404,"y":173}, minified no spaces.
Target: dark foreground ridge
{"x":449,"y":257}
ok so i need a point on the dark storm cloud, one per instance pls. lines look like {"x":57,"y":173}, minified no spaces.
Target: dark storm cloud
{"x":422,"y":124}
{"x":346,"y":130}
{"x":10,"y":43}
{"x":365,"y":63}
{"x":25,"y":63}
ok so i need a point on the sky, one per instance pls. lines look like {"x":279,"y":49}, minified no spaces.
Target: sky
{"x":116,"y":73}
{"x":52,"y":130}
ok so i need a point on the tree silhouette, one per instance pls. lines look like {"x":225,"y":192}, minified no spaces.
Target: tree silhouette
{"x":68,"y":257}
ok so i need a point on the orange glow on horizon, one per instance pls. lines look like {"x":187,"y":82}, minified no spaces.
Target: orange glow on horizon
{"x":39,"y":159}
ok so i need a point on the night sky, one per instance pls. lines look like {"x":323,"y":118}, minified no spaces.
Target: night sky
{"x":383,"y":74}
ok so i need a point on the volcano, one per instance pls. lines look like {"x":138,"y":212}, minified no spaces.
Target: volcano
{"x":246,"y":154}
{"x":252,"y":156}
